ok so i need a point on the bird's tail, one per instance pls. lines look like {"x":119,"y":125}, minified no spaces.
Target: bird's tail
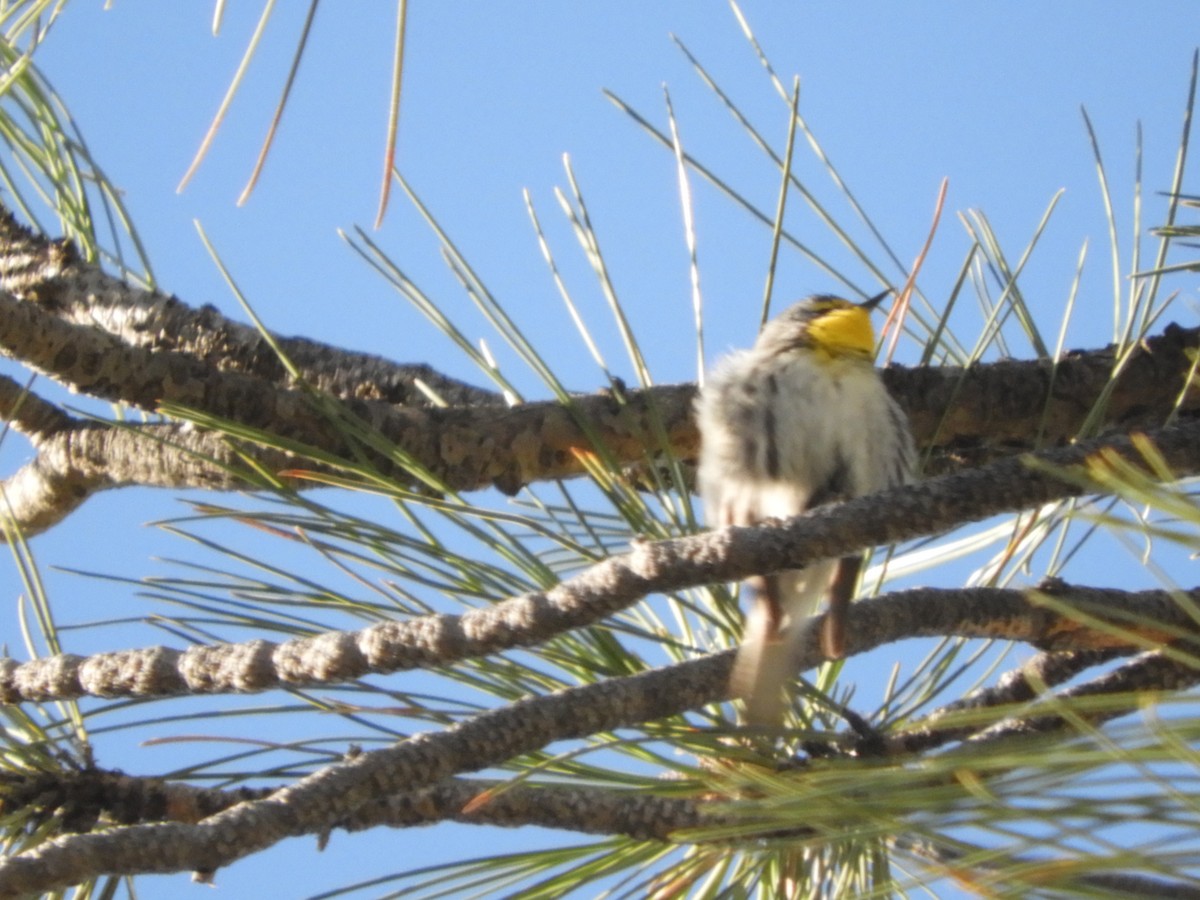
{"x":762,"y":669}
{"x":774,"y":630}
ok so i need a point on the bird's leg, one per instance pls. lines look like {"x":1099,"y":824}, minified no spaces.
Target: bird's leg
{"x":841,"y":592}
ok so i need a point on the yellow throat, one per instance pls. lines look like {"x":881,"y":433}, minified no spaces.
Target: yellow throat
{"x":843,"y":331}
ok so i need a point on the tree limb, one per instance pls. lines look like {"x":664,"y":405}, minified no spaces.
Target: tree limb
{"x":589,"y":810}
{"x":102,"y":336}
{"x":86,"y":799}
{"x":52,"y":274}
{"x":1152,"y":672}
{"x":1150,"y":617}
{"x":961,"y":718}
{"x":78,"y":458}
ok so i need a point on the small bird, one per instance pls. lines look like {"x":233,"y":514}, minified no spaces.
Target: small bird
{"x":800,"y":419}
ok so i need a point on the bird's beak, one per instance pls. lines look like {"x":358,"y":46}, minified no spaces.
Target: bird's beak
{"x":874,"y":301}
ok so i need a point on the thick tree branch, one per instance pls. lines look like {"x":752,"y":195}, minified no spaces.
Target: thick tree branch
{"x":89,"y":796}
{"x":1150,"y":617}
{"x":86,"y":799}
{"x":961,"y":718}
{"x":465,"y":447}
{"x":1153,"y":672}
{"x":79,"y":458}
{"x":51,"y":273}
{"x":99,"y":335}
{"x":588,"y":810}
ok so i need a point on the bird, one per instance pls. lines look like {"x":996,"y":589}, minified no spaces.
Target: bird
{"x":800,"y":419}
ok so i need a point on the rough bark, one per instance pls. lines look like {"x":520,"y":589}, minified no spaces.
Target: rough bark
{"x":68,"y":319}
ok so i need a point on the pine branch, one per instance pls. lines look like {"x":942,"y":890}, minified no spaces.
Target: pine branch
{"x":51,"y":273}
{"x":961,"y":718}
{"x":101,"y":336}
{"x":1130,"y":683}
{"x":588,"y":810}
{"x":1145,"y":618}
{"x":77,"y":458}
{"x":82,"y":799}
{"x":86,"y":799}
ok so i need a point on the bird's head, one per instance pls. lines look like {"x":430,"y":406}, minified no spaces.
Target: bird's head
{"x":824,"y":323}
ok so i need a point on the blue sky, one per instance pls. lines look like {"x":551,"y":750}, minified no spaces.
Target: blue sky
{"x":900,"y":96}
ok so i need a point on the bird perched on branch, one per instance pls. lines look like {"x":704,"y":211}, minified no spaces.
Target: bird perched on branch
{"x":800,"y":419}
